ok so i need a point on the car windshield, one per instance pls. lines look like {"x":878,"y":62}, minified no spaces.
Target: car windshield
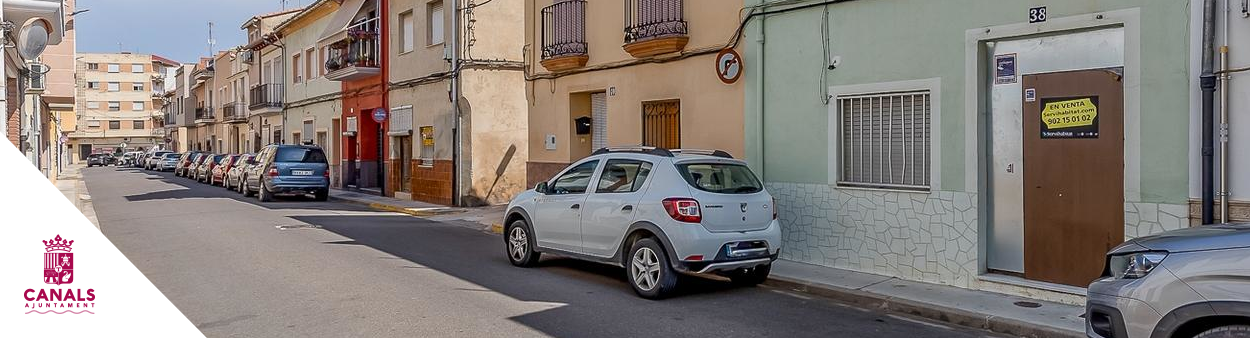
{"x":721,"y":178}
{"x":171,"y":156}
{"x":301,"y":155}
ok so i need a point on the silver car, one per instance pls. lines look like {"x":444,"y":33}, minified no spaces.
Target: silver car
{"x":657,"y":213}
{"x":1192,"y":282}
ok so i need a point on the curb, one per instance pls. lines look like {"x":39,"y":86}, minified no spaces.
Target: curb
{"x":417,"y":212}
{"x":924,"y":310}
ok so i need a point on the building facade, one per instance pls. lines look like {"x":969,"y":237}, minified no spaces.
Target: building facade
{"x":491,"y":119}
{"x":353,"y":49}
{"x":639,"y":76}
{"x":118,"y":104}
{"x":312,"y":109}
{"x":988,"y":152}
{"x":34,"y":114}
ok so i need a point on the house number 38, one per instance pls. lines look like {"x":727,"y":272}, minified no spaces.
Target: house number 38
{"x":1037,"y":14}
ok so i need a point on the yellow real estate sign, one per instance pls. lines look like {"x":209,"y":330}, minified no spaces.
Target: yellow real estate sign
{"x":1070,"y":113}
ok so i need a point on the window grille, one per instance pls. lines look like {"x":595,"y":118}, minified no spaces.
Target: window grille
{"x":885,"y":140}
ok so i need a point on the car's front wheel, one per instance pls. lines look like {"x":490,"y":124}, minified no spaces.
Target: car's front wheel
{"x":1230,"y":331}
{"x":649,"y":271}
{"x":520,"y":245}
{"x":751,"y":277}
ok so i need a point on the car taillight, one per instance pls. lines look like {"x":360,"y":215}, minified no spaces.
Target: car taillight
{"x":774,"y":208}
{"x":326,"y":173}
{"x":683,"y":209}
{"x":273,"y":172}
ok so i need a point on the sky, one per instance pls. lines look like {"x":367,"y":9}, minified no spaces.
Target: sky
{"x":175,"y":29}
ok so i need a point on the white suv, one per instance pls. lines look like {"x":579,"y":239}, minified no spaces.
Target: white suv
{"x":653,"y":211}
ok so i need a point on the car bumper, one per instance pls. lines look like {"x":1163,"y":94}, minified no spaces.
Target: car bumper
{"x":293,"y":186}
{"x":169,"y":166}
{"x":721,"y":251}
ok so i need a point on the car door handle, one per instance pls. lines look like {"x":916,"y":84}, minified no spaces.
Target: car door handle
{"x":576,"y":206}
{"x":627,"y":208}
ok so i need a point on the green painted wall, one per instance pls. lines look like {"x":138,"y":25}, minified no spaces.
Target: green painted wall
{"x":894,"y":40}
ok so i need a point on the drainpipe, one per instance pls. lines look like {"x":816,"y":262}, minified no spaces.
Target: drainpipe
{"x":1224,"y":79}
{"x":456,"y":153}
{"x":1207,"y":81}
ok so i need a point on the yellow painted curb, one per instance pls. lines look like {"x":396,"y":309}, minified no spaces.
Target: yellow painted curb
{"x":496,"y":228}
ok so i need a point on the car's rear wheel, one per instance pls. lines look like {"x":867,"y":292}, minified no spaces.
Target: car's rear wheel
{"x":263,"y":194}
{"x":1230,"y":331}
{"x":322,"y":195}
{"x":520,"y":245}
{"x":247,"y":191}
{"x":649,"y":271}
{"x":751,"y":277}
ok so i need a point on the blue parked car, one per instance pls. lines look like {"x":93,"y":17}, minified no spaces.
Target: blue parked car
{"x":288,"y":170}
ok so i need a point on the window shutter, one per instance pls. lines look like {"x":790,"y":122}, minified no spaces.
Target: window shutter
{"x":885,"y":140}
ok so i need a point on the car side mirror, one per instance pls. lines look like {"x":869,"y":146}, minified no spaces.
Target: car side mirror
{"x":541,"y":188}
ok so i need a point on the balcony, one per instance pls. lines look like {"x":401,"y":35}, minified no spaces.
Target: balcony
{"x":234,"y":112}
{"x":564,"y":36}
{"x":169,"y":120}
{"x":654,"y":27}
{"x":267,"y":98}
{"x":357,"y":56}
{"x":204,"y":115}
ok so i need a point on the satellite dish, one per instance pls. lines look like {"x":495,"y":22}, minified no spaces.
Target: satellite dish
{"x":33,"y":39}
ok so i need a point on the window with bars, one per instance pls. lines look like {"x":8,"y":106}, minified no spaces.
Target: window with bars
{"x":661,"y":124}
{"x":885,"y":140}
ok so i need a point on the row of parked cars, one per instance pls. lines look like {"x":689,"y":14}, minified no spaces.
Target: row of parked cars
{"x":291,"y":170}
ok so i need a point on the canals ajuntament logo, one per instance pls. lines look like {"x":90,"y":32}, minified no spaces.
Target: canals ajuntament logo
{"x":58,"y":269}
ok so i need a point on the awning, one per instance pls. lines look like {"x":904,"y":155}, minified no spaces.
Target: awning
{"x":343,"y":17}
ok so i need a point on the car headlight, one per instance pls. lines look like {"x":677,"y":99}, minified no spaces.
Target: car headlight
{"x":1135,"y":265}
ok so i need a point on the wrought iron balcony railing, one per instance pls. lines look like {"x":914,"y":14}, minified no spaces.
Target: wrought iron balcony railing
{"x":269,"y":95}
{"x":233,"y":111}
{"x":204,"y":113}
{"x":564,"y":29}
{"x":651,"y":19}
{"x":361,"y":48}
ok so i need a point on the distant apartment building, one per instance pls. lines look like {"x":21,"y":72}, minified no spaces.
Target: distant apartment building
{"x":119,"y":103}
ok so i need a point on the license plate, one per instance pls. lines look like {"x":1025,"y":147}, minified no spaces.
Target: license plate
{"x":301,"y":172}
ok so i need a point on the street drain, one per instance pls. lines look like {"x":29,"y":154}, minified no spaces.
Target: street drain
{"x":1031,"y":305}
{"x":297,"y":226}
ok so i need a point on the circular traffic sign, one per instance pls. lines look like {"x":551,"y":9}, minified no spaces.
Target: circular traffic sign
{"x":379,"y":115}
{"x":728,"y":66}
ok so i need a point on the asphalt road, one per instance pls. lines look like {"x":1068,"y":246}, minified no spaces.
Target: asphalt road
{"x":236,"y":267}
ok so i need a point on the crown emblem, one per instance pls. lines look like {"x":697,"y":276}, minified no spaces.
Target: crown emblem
{"x":58,"y":244}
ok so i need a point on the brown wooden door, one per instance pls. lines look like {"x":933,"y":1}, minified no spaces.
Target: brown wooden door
{"x":661,"y":124}
{"x":1073,"y":174}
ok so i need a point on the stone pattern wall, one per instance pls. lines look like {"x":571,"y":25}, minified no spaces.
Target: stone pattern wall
{"x":1144,"y":219}
{"x":930,"y":237}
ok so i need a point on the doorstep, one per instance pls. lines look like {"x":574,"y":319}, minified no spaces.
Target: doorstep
{"x":995,"y":312}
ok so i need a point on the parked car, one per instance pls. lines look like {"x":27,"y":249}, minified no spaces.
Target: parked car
{"x":656,"y":212}
{"x":185,"y":163}
{"x":169,"y":162}
{"x":217,"y":175}
{"x":288,"y":170}
{"x":193,"y":171}
{"x":129,"y":159}
{"x":152,"y":160}
{"x":1192,"y":282}
{"x":235,"y":175}
{"x":99,"y":160}
{"x":204,"y":170}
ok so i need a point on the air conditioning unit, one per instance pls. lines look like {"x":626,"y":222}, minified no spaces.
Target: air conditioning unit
{"x":248,"y":57}
{"x":37,"y":79}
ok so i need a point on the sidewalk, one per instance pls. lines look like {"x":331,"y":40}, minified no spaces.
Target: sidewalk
{"x":70,"y":183}
{"x":1000,"y":313}
{"x":486,"y":218}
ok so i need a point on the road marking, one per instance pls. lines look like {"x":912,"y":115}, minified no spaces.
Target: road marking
{"x":792,"y":295}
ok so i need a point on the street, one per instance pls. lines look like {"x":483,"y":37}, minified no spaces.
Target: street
{"x":236,"y":267}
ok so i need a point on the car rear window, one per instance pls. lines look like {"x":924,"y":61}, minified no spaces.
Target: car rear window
{"x":172,"y":156}
{"x":300,"y":155}
{"x":721,"y":178}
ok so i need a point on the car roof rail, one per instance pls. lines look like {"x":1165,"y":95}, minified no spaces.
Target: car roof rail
{"x":715,"y":152}
{"x":634,"y":149}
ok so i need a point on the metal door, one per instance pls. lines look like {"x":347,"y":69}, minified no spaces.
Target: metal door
{"x":1074,"y":185}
